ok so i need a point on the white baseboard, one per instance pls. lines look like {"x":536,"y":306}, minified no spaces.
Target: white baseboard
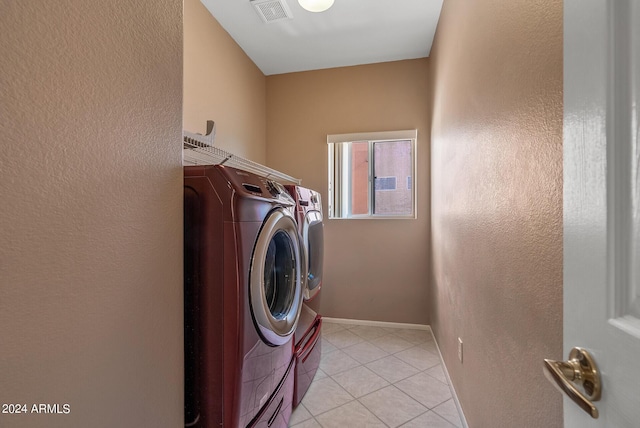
{"x":377,"y":323}
{"x":453,"y":390}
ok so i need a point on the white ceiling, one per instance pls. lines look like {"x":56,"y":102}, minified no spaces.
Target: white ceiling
{"x":351,"y":32}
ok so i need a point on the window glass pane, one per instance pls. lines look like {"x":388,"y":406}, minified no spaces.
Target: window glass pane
{"x":359,"y":177}
{"x":385,"y":183}
{"x":392,"y":159}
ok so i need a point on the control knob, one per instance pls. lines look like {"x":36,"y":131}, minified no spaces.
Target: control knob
{"x":273,"y":188}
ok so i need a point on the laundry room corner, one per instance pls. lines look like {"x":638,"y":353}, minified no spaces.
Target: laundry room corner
{"x":374,"y":269}
{"x":222,"y":84}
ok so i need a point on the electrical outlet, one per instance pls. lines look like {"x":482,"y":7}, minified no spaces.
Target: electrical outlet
{"x":460,"y":349}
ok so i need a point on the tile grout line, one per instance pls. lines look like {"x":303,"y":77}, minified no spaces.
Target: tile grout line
{"x":359,"y":402}
{"x":443,"y":416}
{"x":392,"y":385}
{"x":386,"y":356}
{"x":415,"y":343}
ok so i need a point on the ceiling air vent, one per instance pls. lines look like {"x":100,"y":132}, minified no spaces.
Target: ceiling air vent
{"x":272,"y":10}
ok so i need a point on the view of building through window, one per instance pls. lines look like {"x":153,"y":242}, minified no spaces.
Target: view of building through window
{"x":392,"y":163}
{"x":372,"y":177}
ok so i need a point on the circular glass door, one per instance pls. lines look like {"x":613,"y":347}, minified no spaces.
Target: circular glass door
{"x":274,"y":283}
{"x":313,"y":238}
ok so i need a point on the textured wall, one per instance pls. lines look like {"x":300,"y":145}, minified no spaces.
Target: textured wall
{"x":374,"y":269}
{"x":497,"y":206}
{"x":221,"y":83}
{"x":91,"y":212}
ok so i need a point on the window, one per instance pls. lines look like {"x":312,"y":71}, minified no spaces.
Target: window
{"x":366,"y":175}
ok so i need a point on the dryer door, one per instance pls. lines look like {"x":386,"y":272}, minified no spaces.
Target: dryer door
{"x":313,"y":238}
{"x":274,"y":283}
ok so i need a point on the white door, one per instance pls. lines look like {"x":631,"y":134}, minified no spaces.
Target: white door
{"x":602,"y":202}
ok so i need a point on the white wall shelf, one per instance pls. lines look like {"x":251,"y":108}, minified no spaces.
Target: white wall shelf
{"x":199,"y":150}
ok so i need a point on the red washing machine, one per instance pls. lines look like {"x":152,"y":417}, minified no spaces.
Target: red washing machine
{"x":243,"y":297}
{"x":307,"y":335}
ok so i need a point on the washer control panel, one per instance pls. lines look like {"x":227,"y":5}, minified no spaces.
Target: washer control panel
{"x":273,"y":187}
{"x":257,"y":185}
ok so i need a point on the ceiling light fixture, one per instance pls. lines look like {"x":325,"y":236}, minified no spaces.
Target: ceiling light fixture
{"x":316,"y":5}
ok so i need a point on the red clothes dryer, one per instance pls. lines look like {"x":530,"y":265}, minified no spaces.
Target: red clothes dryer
{"x":243,"y":297}
{"x":308,"y":333}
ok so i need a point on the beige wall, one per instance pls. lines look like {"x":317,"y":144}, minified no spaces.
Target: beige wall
{"x":497,"y":206}
{"x":91,"y":212}
{"x":374,"y":269}
{"x":222,"y":84}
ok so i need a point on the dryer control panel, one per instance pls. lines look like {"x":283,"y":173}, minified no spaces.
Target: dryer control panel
{"x":258,"y":186}
{"x":274,"y":187}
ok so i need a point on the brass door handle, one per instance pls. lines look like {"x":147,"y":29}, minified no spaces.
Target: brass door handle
{"x":579,"y":368}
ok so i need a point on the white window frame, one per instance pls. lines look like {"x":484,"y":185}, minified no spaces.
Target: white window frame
{"x":337,"y":207}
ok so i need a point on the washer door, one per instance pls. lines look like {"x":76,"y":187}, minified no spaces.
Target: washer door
{"x":313,"y":238}
{"x":274,"y":283}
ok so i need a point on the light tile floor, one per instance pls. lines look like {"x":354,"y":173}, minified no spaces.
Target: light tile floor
{"x":377,"y":377}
